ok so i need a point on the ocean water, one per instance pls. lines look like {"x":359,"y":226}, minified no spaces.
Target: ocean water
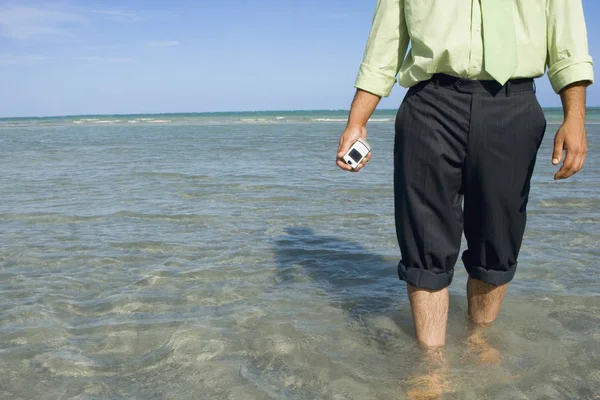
{"x":225,"y":256}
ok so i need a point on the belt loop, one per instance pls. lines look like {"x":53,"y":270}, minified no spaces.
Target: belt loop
{"x":436,"y":81}
{"x":508,"y":84}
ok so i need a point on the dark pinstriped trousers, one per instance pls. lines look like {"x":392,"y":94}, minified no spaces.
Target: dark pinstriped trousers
{"x":463,"y":159}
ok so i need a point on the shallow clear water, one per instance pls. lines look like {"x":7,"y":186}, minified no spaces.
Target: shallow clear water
{"x":207,"y":259}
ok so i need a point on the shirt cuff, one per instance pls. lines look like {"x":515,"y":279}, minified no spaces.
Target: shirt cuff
{"x":374,"y":81}
{"x":568,"y":71}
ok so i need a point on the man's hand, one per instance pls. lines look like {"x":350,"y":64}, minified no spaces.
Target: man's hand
{"x":571,"y":138}
{"x":363,"y":105}
{"x":351,"y":135}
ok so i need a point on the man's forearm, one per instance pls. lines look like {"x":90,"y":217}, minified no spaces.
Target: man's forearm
{"x":570,"y":137}
{"x":573,"y":100}
{"x":363,"y":106}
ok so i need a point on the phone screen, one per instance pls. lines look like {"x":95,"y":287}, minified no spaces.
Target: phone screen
{"x":355,"y":155}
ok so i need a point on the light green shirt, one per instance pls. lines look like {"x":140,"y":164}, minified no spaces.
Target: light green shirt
{"x":446,"y":37}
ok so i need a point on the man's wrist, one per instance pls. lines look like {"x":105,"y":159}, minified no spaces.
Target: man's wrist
{"x":362,"y":108}
{"x":573,"y":101}
{"x":574,"y":118}
{"x":574,"y":114}
{"x":356,"y":124}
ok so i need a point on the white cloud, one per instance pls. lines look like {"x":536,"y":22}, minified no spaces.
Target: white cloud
{"x":163,"y":43}
{"x":116,"y":15}
{"x":101,"y":47}
{"x":107,"y":60}
{"x":44,"y":22}
{"x":20,"y":22}
{"x":10,"y":59}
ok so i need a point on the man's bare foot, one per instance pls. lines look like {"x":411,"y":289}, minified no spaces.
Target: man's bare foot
{"x":428,"y":387}
{"x":435,"y":382}
{"x":477,"y":343}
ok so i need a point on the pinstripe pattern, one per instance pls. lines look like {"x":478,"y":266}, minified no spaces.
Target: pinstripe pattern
{"x":471,"y":140}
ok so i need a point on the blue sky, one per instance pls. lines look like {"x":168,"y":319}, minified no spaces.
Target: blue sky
{"x":134,"y":56}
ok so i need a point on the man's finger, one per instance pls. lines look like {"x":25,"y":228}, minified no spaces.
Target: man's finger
{"x":340,"y":163}
{"x":343,"y":150}
{"x":579,"y":161}
{"x":341,"y":153}
{"x":365,"y":160}
{"x":573,"y":166}
{"x":568,"y":167}
{"x":558,"y":149}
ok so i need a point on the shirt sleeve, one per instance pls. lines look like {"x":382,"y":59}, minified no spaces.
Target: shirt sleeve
{"x":385,"y":49}
{"x":568,"y":56}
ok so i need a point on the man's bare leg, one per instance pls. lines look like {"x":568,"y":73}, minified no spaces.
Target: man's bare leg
{"x":484,"y":301}
{"x":484,"y":304}
{"x":430,"y":315}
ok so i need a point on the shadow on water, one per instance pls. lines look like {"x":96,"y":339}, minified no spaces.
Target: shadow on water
{"x":365,"y":287}
{"x":361,"y":283}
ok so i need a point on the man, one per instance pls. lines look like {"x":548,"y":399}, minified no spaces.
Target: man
{"x":469,"y":129}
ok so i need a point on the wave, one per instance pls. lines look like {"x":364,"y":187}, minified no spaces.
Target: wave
{"x":257,"y":121}
{"x":86,"y":120}
{"x":329,"y":119}
{"x":346,"y":119}
{"x":98,"y":121}
{"x":107,"y":121}
{"x":212,"y":119}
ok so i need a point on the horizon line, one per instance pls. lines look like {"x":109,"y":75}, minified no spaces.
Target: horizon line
{"x":219,"y":112}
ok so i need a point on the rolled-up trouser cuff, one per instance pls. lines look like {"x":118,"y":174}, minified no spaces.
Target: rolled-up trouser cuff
{"x":423,"y":279}
{"x":493,"y":277}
